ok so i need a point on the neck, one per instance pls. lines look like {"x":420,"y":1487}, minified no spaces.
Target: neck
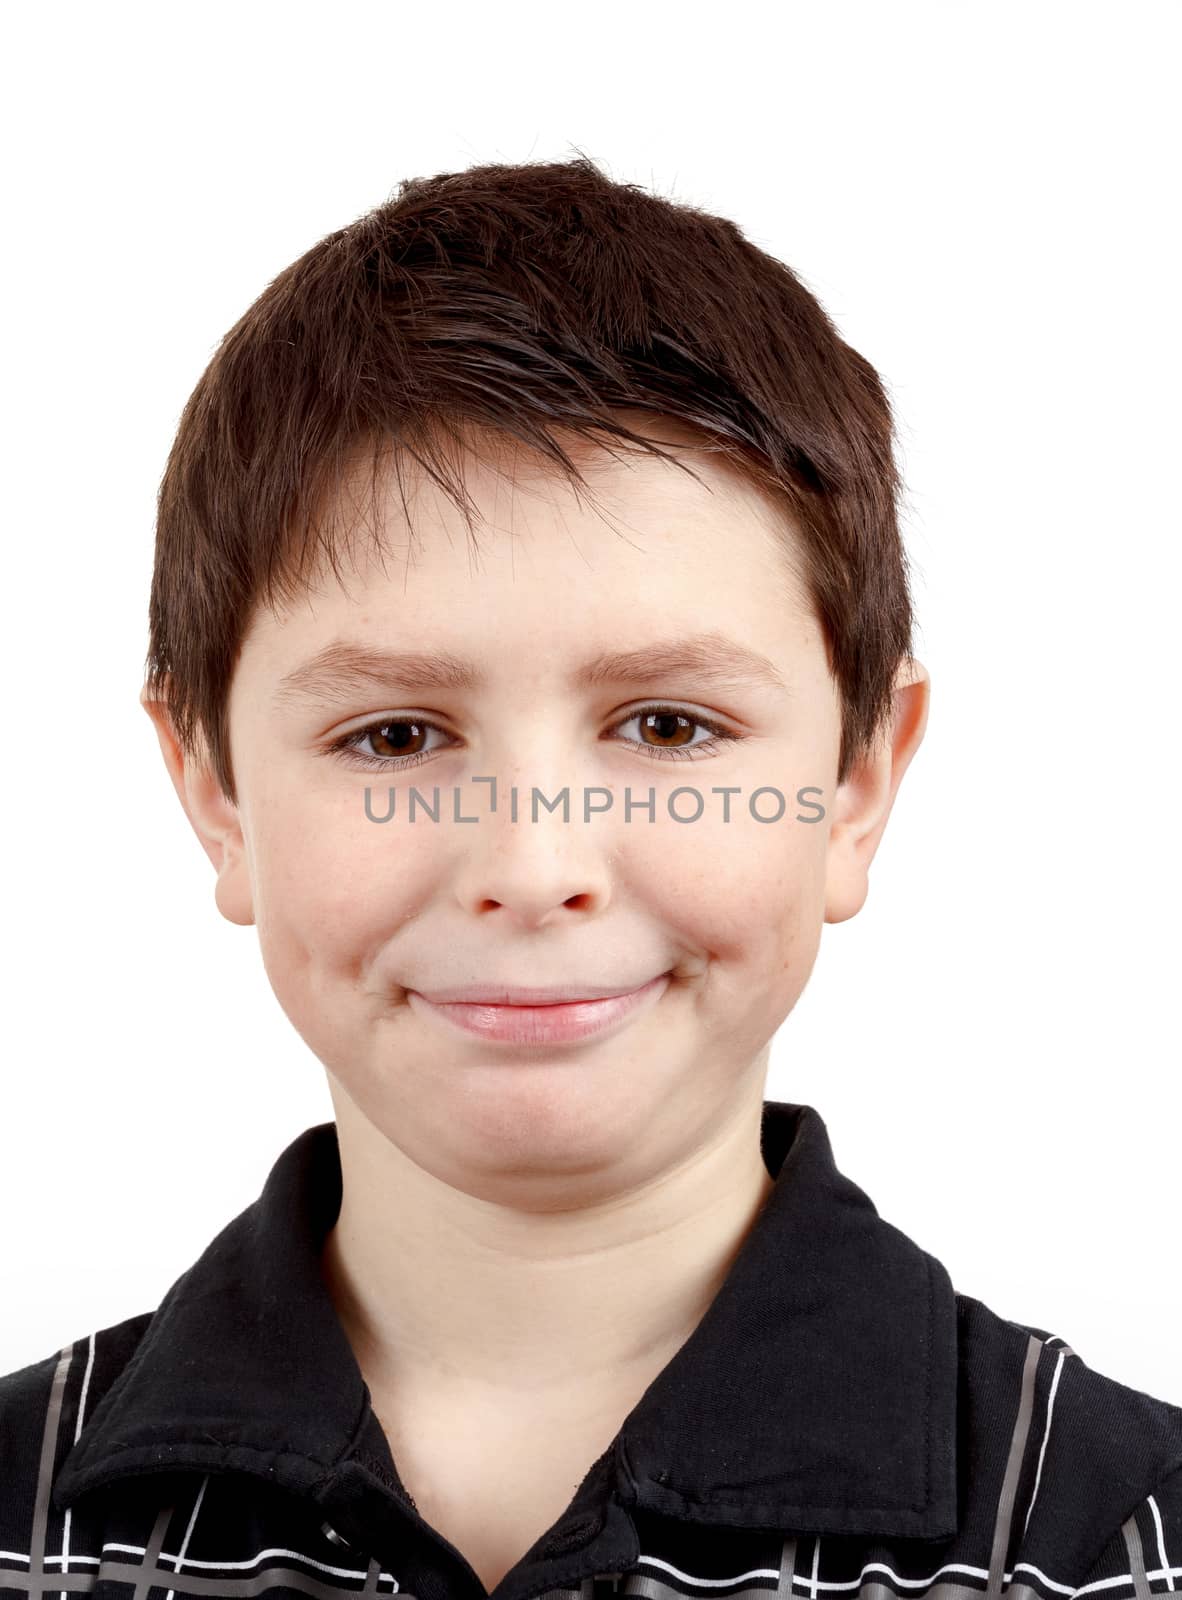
{"x":435,"y":1286}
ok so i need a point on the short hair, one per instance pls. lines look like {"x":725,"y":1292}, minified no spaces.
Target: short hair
{"x":519,"y":301}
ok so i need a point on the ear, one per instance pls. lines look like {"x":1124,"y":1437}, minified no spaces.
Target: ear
{"x":863,"y":802}
{"x":213,"y":817}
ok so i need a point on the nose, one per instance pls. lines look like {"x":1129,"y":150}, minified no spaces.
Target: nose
{"x":544,"y":863}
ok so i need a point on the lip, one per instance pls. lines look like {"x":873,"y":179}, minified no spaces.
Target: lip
{"x":504,"y":994}
{"x":553,"y":1021}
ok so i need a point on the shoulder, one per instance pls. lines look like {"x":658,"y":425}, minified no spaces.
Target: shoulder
{"x":1087,"y":1470}
{"x":97,"y":1358}
{"x":43,"y":1407}
{"x":1145,"y":1549}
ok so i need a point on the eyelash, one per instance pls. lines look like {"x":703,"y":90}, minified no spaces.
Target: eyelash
{"x":346,"y":748}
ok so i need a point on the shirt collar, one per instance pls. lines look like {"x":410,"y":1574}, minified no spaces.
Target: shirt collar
{"x":818,"y":1393}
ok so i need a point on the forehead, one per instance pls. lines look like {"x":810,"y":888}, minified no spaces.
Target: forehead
{"x":645,"y":547}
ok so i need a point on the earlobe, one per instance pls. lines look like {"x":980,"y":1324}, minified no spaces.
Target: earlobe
{"x":232,"y":892}
{"x":863,"y":802}
{"x":212,"y":815}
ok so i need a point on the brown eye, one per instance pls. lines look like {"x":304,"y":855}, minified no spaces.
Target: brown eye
{"x":673,"y":730}
{"x":397,"y":743}
{"x":395,"y":738}
{"x":391,"y":745}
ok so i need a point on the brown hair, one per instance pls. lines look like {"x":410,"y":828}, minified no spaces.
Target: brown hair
{"x":524,"y":300}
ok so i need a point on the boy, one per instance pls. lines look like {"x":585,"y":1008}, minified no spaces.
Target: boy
{"x":558,"y":1303}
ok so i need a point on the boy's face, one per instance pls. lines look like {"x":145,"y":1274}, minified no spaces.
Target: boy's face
{"x":359,"y":919}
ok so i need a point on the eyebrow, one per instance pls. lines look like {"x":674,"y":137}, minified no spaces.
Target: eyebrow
{"x":342,"y":666}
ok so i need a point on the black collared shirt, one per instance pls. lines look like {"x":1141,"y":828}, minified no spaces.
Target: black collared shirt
{"x":840,"y":1422}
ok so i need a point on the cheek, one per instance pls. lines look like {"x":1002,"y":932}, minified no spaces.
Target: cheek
{"x":749,"y":893}
{"x":748,"y":901}
{"x":330,"y":885}
{"x":777,"y":917}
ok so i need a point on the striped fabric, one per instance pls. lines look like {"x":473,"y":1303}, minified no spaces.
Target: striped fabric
{"x":841,"y":1423}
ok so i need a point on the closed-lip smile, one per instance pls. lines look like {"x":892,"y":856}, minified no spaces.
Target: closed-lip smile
{"x":500,"y":994}
{"x":536,"y":1016}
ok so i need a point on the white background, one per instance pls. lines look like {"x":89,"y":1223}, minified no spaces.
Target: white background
{"x":982,"y":197}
